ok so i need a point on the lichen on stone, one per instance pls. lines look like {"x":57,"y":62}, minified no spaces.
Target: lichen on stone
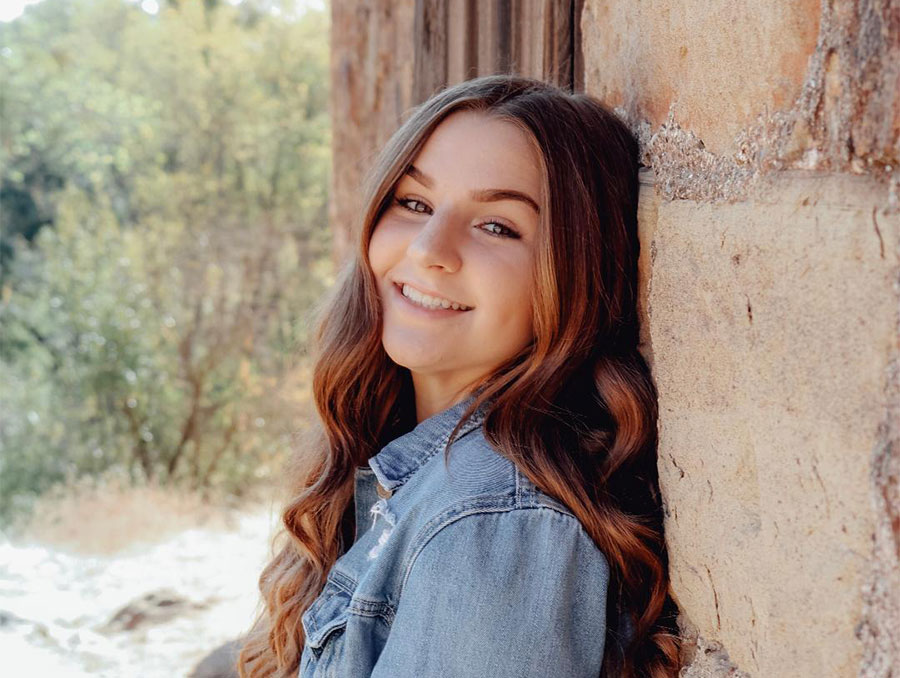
{"x":846,"y":117}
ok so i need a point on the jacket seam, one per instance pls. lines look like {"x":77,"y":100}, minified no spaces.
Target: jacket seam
{"x":449,"y":520}
{"x":358,"y":605}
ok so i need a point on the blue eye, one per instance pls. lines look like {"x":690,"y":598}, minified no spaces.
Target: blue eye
{"x":503,"y":231}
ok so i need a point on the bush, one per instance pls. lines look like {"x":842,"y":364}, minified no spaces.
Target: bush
{"x":156,"y":284}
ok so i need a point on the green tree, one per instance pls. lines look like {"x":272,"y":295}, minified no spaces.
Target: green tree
{"x":163,"y":189}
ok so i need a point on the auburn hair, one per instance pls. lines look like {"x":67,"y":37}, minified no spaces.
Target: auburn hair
{"x":575,"y":410}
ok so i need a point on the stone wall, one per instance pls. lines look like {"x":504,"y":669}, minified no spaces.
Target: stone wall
{"x":770,"y":286}
{"x":771,"y":328}
{"x":771,"y":318}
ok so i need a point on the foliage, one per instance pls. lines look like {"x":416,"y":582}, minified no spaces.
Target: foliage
{"x":163,"y":198}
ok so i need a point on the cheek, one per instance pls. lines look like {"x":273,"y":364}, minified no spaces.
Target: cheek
{"x":379,"y":248}
{"x":524,"y":314}
{"x":512,"y":304}
{"x":525,"y":300}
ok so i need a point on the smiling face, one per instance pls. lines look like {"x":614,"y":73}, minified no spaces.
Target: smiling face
{"x":461,"y":229}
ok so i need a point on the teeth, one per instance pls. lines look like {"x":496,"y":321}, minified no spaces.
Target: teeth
{"x":431,"y":302}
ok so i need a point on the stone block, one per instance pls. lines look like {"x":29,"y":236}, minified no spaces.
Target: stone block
{"x":771,"y":328}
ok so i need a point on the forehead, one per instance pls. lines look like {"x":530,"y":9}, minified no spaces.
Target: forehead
{"x":472,"y":150}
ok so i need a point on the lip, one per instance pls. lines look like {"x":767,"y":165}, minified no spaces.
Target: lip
{"x":424,"y":290}
{"x":410,"y":306}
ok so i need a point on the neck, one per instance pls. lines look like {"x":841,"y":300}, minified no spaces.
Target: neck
{"x":433,"y":396}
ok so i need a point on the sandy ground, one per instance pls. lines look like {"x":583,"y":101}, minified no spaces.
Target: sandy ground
{"x":56,"y":603}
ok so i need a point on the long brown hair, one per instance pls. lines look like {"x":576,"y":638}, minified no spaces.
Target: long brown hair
{"x":575,"y":410}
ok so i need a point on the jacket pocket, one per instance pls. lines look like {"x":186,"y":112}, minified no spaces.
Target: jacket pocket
{"x":326,"y":618}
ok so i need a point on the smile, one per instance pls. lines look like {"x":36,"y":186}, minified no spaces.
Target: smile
{"x":426,"y":301}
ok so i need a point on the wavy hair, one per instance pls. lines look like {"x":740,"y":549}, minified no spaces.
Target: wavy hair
{"x":575,"y":410}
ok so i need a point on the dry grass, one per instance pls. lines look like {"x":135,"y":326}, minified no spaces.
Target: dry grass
{"x":107,"y":515}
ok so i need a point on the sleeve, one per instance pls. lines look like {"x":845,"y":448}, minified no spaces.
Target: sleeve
{"x":506,"y":594}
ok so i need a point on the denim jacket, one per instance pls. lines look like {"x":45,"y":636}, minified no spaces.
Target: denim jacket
{"x":458,"y":571}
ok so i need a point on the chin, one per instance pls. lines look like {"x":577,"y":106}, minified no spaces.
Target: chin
{"x":413,"y":358}
{"x":412,"y":362}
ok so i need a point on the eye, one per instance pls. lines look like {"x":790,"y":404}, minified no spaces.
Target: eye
{"x":504,"y":232}
{"x":495,"y":228}
{"x":404,"y":203}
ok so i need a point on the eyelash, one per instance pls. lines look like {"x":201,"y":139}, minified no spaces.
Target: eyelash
{"x":510,"y":233}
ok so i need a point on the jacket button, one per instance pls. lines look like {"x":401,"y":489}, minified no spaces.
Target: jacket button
{"x":383,"y":492}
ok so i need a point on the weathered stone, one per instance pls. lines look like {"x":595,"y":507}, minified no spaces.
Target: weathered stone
{"x":747,"y":89}
{"x":770,"y":326}
{"x":715,"y":65}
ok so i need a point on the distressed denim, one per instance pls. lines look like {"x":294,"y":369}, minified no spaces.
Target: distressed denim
{"x":465,"y":570}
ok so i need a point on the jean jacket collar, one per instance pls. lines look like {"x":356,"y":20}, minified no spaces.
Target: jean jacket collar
{"x":404,"y":455}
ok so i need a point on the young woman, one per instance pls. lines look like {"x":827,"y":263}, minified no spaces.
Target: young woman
{"x":483,"y":497}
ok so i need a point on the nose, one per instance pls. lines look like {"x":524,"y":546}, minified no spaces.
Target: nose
{"x":436,"y":243}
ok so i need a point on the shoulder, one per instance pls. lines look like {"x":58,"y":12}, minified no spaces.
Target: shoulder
{"x":491,"y":542}
{"x":484,"y":509}
{"x":508,"y":593}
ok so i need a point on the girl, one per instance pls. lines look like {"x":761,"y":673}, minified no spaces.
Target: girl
{"x":483,"y":497}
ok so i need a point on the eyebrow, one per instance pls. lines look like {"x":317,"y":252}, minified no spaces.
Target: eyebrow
{"x":481,"y":195}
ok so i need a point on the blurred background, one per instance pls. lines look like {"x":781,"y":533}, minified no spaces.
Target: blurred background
{"x":164,"y":176}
